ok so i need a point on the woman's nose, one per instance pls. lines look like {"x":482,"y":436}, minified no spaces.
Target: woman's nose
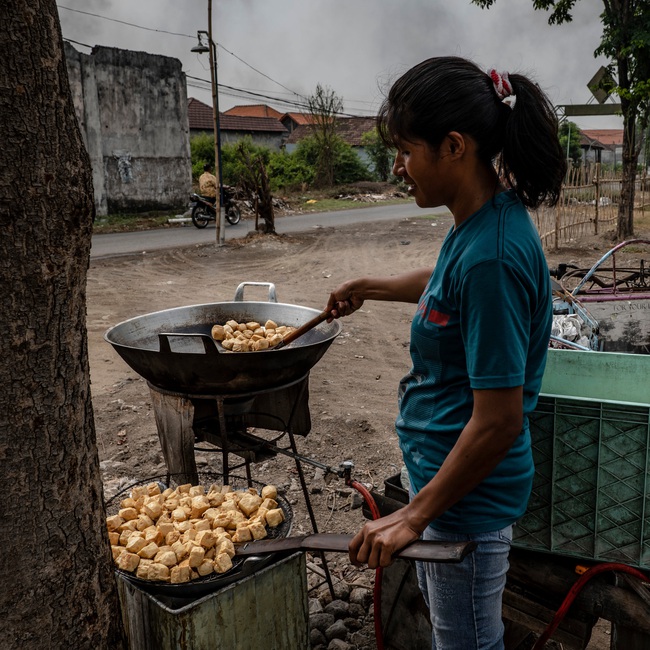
{"x":398,"y":166}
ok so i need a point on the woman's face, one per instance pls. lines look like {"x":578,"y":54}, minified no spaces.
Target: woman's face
{"x":419,"y":166}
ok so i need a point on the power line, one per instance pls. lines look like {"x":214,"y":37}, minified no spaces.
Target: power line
{"x":162,"y":31}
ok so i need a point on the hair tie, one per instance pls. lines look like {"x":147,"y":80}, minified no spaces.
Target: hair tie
{"x":501,"y":83}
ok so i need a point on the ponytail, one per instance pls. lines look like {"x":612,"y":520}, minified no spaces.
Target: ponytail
{"x":447,"y":94}
{"x":533,"y":159}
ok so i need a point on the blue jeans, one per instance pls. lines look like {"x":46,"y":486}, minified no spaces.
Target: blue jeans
{"x":464,"y":599}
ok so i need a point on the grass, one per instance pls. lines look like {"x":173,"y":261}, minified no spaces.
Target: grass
{"x":131,"y":222}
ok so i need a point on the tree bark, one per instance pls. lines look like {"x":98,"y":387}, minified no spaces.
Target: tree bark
{"x":56,"y":572}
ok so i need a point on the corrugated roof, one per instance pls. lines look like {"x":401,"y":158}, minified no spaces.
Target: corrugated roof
{"x":608,"y":137}
{"x":254,"y":110}
{"x":349,"y":129}
{"x":200,"y":117}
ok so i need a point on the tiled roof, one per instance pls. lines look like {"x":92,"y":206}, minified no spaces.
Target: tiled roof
{"x":350,"y":129}
{"x":254,"y":110}
{"x":608,"y":137}
{"x":298,"y":118}
{"x":200,"y":118}
{"x":199,"y":115}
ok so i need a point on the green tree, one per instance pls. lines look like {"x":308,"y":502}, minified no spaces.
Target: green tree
{"x":569,"y":134}
{"x":324,"y":105}
{"x":626,"y":41}
{"x":346,"y":165}
{"x":381,"y":156}
{"x":202,"y":153}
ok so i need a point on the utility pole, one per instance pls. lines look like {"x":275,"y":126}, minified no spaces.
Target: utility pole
{"x":220,"y":226}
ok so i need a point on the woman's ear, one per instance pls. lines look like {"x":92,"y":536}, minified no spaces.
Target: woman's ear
{"x":455,"y":144}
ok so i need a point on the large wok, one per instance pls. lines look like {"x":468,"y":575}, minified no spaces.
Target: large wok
{"x":173,"y":349}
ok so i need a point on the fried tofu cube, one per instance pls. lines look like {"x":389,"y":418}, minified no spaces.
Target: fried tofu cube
{"x":218,"y":333}
{"x":113,"y":523}
{"x":117,"y":551}
{"x":269,"y":504}
{"x":135,"y":544}
{"x":172,"y":536}
{"x":165,"y":528}
{"x":234,"y":519}
{"x":127,"y":561}
{"x":257,"y":529}
{"x":158,"y":571}
{"x":269,"y":492}
{"x":143,"y":521}
{"x":222,"y":563}
{"x":168,"y":558}
{"x":139,"y":491}
{"x":129,"y":502}
{"x":196,"y":556}
{"x":149,"y":551}
{"x":153,"y":509}
{"x":249,"y":503}
{"x":179,"y":574}
{"x":206,"y":538}
{"x":128,"y":525}
{"x":153,"y":534}
{"x":216,"y":499}
{"x":142,"y":571}
{"x":202,"y":524}
{"x":181,"y":550}
{"x":184,"y":526}
{"x":242,"y":534}
{"x":179,"y":514}
{"x":114,"y":538}
{"x":274,"y":517}
{"x":153,"y":488}
{"x":184,"y":489}
{"x":199,"y":505}
{"x":206,"y":568}
{"x":270,"y":325}
{"x":226,"y":546}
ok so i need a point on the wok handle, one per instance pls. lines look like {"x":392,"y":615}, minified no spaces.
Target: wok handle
{"x":239,"y":292}
{"x":208,"y":342}
{"x":303,"y":329}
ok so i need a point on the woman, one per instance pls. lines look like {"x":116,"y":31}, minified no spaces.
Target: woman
{"x":480,"y":333}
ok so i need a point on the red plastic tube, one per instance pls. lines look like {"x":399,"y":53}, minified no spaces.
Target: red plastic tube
{"x":374,"y":511}
{"x":575,"y":590}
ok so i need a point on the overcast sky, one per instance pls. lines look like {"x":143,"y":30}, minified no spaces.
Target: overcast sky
{"x":354,"y":47}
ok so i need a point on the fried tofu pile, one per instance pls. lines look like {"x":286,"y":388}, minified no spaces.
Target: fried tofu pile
{"x":250,"y":337}
{"x":181,"y":534}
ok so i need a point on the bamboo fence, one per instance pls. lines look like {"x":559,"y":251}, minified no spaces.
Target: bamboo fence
{"x":588,"y":205}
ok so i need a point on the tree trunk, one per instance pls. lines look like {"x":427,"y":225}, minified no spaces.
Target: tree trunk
{"x":56,"y":572}
{"x":625,"y":221}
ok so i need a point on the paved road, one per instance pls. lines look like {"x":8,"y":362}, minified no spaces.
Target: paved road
{"x":128,"y":243}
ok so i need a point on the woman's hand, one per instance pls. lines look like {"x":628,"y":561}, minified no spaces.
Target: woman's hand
{"x":345,"y":299}
{"x":377,"y":542}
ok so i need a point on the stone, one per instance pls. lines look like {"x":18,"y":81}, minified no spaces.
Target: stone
{"x":361,"y":596}
{"x":338,"y":644}
{"x":338,"y":608}
{"x":315,"y":606}
{"x":317,"y":638}
{"x":337,"y":630}
{"x":360,"y":640}
{"x":321,"y":621}
{"x":342,"y":590}
{"x":358,"y":611}
{"x":353,"y":624}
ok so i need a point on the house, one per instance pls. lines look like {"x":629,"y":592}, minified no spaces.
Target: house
{"x":349,"y":129}
{"x":603,"y":145}
{"x":292,"y":121}
{"x":132,"y":113}
{"x":263,"y":131}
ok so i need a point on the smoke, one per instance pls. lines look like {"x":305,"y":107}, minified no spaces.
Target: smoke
{"x":356,"y":48}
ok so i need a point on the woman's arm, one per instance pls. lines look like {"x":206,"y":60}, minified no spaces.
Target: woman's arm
{"x":496,"y":422}
{"x":406,"y":287}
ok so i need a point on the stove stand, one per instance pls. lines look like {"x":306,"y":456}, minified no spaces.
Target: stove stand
{"x":224,"y":421}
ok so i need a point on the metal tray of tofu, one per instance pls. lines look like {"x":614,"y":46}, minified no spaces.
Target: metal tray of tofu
{"x":201,"y":586}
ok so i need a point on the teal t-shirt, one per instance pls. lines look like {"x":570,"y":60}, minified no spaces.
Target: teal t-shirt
{"x":483,"y":322}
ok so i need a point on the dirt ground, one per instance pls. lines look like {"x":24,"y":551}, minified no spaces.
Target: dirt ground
{"x":352,"y":389}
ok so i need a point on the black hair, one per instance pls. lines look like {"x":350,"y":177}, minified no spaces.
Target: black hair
{"x":207,"y":167}
{"x":445,"y":94}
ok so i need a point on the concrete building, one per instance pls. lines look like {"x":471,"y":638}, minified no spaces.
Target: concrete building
{"x":132,"y":110}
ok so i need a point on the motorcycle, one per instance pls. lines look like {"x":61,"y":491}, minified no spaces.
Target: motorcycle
{"x":203,"y":210}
